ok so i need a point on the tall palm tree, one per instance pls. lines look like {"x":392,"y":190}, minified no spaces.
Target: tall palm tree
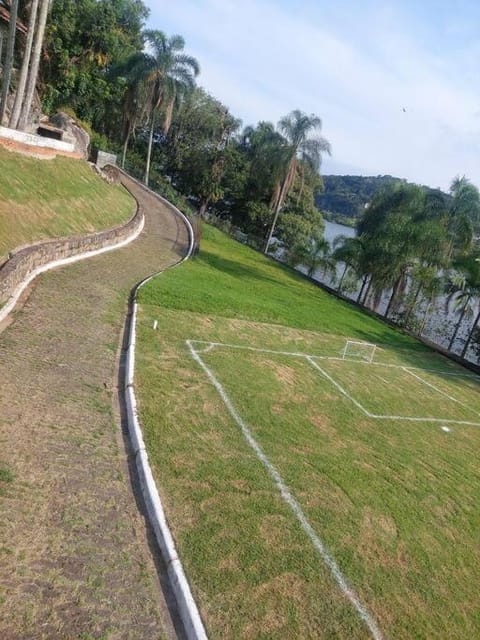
{"x":296,"y":128}
{"x":34,"y":65}
{"x":166,"y":71}
{"x":462,"y":214}
{"x":22,"y":82}
{"x":314,"y":255}
{"x":463,"y":292}
{"x":8,"y":65}
{"x":348,"y":251}
{"x":403,"y":226}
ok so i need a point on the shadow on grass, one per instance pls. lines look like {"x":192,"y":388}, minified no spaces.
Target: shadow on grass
{"x":234,"y":268}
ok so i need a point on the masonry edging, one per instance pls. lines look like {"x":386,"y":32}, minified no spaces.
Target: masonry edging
{"x":188,"y":610}
{"x":22,"y":268}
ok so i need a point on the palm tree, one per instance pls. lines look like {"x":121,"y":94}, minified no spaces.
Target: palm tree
{"x":166,"y":71}
{"x":299,"y":147}
{"x":314,"y":255}
{"x":34,"y":65}
{"x":349,"y":251}
{"x":403,"y":226}
{"x":463,"y":212}
{"x":8,"y":66}
{"x":463,"y":290}
{"x":22,"y":82}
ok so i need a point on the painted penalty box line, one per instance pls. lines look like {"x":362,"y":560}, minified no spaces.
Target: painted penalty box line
{"x":381,"y":417}
{"x":290,"y":500}
{"x":301,"y":354}
{"x":311,"y":359}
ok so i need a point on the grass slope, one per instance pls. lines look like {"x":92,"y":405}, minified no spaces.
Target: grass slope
{"x":53,"y":198}
{"x":394,"y":501}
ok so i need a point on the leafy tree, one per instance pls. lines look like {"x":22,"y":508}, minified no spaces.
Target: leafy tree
{"x":198,"y":147}
{"x":84,"y":40}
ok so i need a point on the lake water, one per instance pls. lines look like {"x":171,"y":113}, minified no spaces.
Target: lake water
{"x":333,"y":230}
{"x":438,"y":327}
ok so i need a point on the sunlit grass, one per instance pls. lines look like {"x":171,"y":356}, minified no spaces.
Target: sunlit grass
{"x":394,"y":501}
{"x":54,"y":198}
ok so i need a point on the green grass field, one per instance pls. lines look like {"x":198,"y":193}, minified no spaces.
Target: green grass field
{"x":367,"y":470}
{"x":54,"y":198}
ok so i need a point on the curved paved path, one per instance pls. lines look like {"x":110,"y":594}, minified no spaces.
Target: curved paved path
{"x":74,"y":546}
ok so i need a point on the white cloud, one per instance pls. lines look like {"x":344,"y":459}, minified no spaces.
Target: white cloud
{"x":357,"y":68}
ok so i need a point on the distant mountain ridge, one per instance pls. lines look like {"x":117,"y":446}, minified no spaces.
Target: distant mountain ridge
{"x":344,"y":197}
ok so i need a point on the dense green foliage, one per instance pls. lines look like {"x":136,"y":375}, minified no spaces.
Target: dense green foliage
{"x":85,"y":39}
{"x":344,"y":198}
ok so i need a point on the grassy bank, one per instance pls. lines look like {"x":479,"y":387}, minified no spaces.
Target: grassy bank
{"x":53,"y":198}
{"x":380,"y":458}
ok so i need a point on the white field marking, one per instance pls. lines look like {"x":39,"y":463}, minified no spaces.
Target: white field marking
{"x":210,"y":347}
{"x":301,"y":354}
{"x":429,"y":384}
{"x":343,"y":391}
{"x":380,"y":417}
{"x":339,"y":387}
{"x":291,"y":502}
{"x":444,"y":428}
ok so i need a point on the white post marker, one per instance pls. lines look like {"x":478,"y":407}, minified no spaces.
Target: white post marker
{"x":155,"y":325}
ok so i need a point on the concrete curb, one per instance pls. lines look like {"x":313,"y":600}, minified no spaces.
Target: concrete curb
{"x":187,"y":607}
{"x":12,"y":301}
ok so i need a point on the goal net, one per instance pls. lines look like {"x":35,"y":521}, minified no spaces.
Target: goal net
{"x":358,"y":351}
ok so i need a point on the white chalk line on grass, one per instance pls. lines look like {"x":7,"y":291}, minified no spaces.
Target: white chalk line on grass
{"x":380,"y":417}
{"x":301,"y":354}
{"x":339,"y":387}
{"x":311,"y":359}
{"x":443,"y":393}
{"x":290,"y":500}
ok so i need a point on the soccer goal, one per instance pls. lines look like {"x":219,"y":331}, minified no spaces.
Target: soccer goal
{"x":358,"y":350}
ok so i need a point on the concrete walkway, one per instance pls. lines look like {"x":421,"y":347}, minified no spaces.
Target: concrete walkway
{"x":76,"y":556}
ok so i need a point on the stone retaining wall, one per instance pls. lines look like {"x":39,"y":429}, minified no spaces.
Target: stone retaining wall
{"x":22,"y":262}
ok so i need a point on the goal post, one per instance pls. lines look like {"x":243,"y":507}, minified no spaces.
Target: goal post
{"x":358,"y":351}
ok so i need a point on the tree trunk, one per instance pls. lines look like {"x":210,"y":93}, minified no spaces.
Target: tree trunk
{"x":425,"y":317}
{"x":22,"y":82}
{"x":125,"y":147}
{"x":367,"y":293}
{"x":393,"y":296}
{"x":203,"y":207}
{"x":278,"y":205}
{"x":470,"y":335}
{"x":8,"y":66}
{"x":149,"y":150}
{"x":359,"y":297}
{"x":462,"y":315}
{"x":34,"y":65}
{"x":413,"y":305}
{"x":339,"y":288}
{"x":272,"y":228}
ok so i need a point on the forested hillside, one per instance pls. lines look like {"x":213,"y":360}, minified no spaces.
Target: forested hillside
{"x":344,"y":197}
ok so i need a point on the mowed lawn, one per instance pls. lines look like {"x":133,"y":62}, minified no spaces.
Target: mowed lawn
{"x":42,"y":199}
{"x":392,"y":499}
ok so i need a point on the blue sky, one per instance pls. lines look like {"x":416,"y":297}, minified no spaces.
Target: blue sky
{"x":355,"y":64}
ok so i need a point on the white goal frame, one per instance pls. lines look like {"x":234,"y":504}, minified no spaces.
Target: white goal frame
{"x":364,"y":350}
